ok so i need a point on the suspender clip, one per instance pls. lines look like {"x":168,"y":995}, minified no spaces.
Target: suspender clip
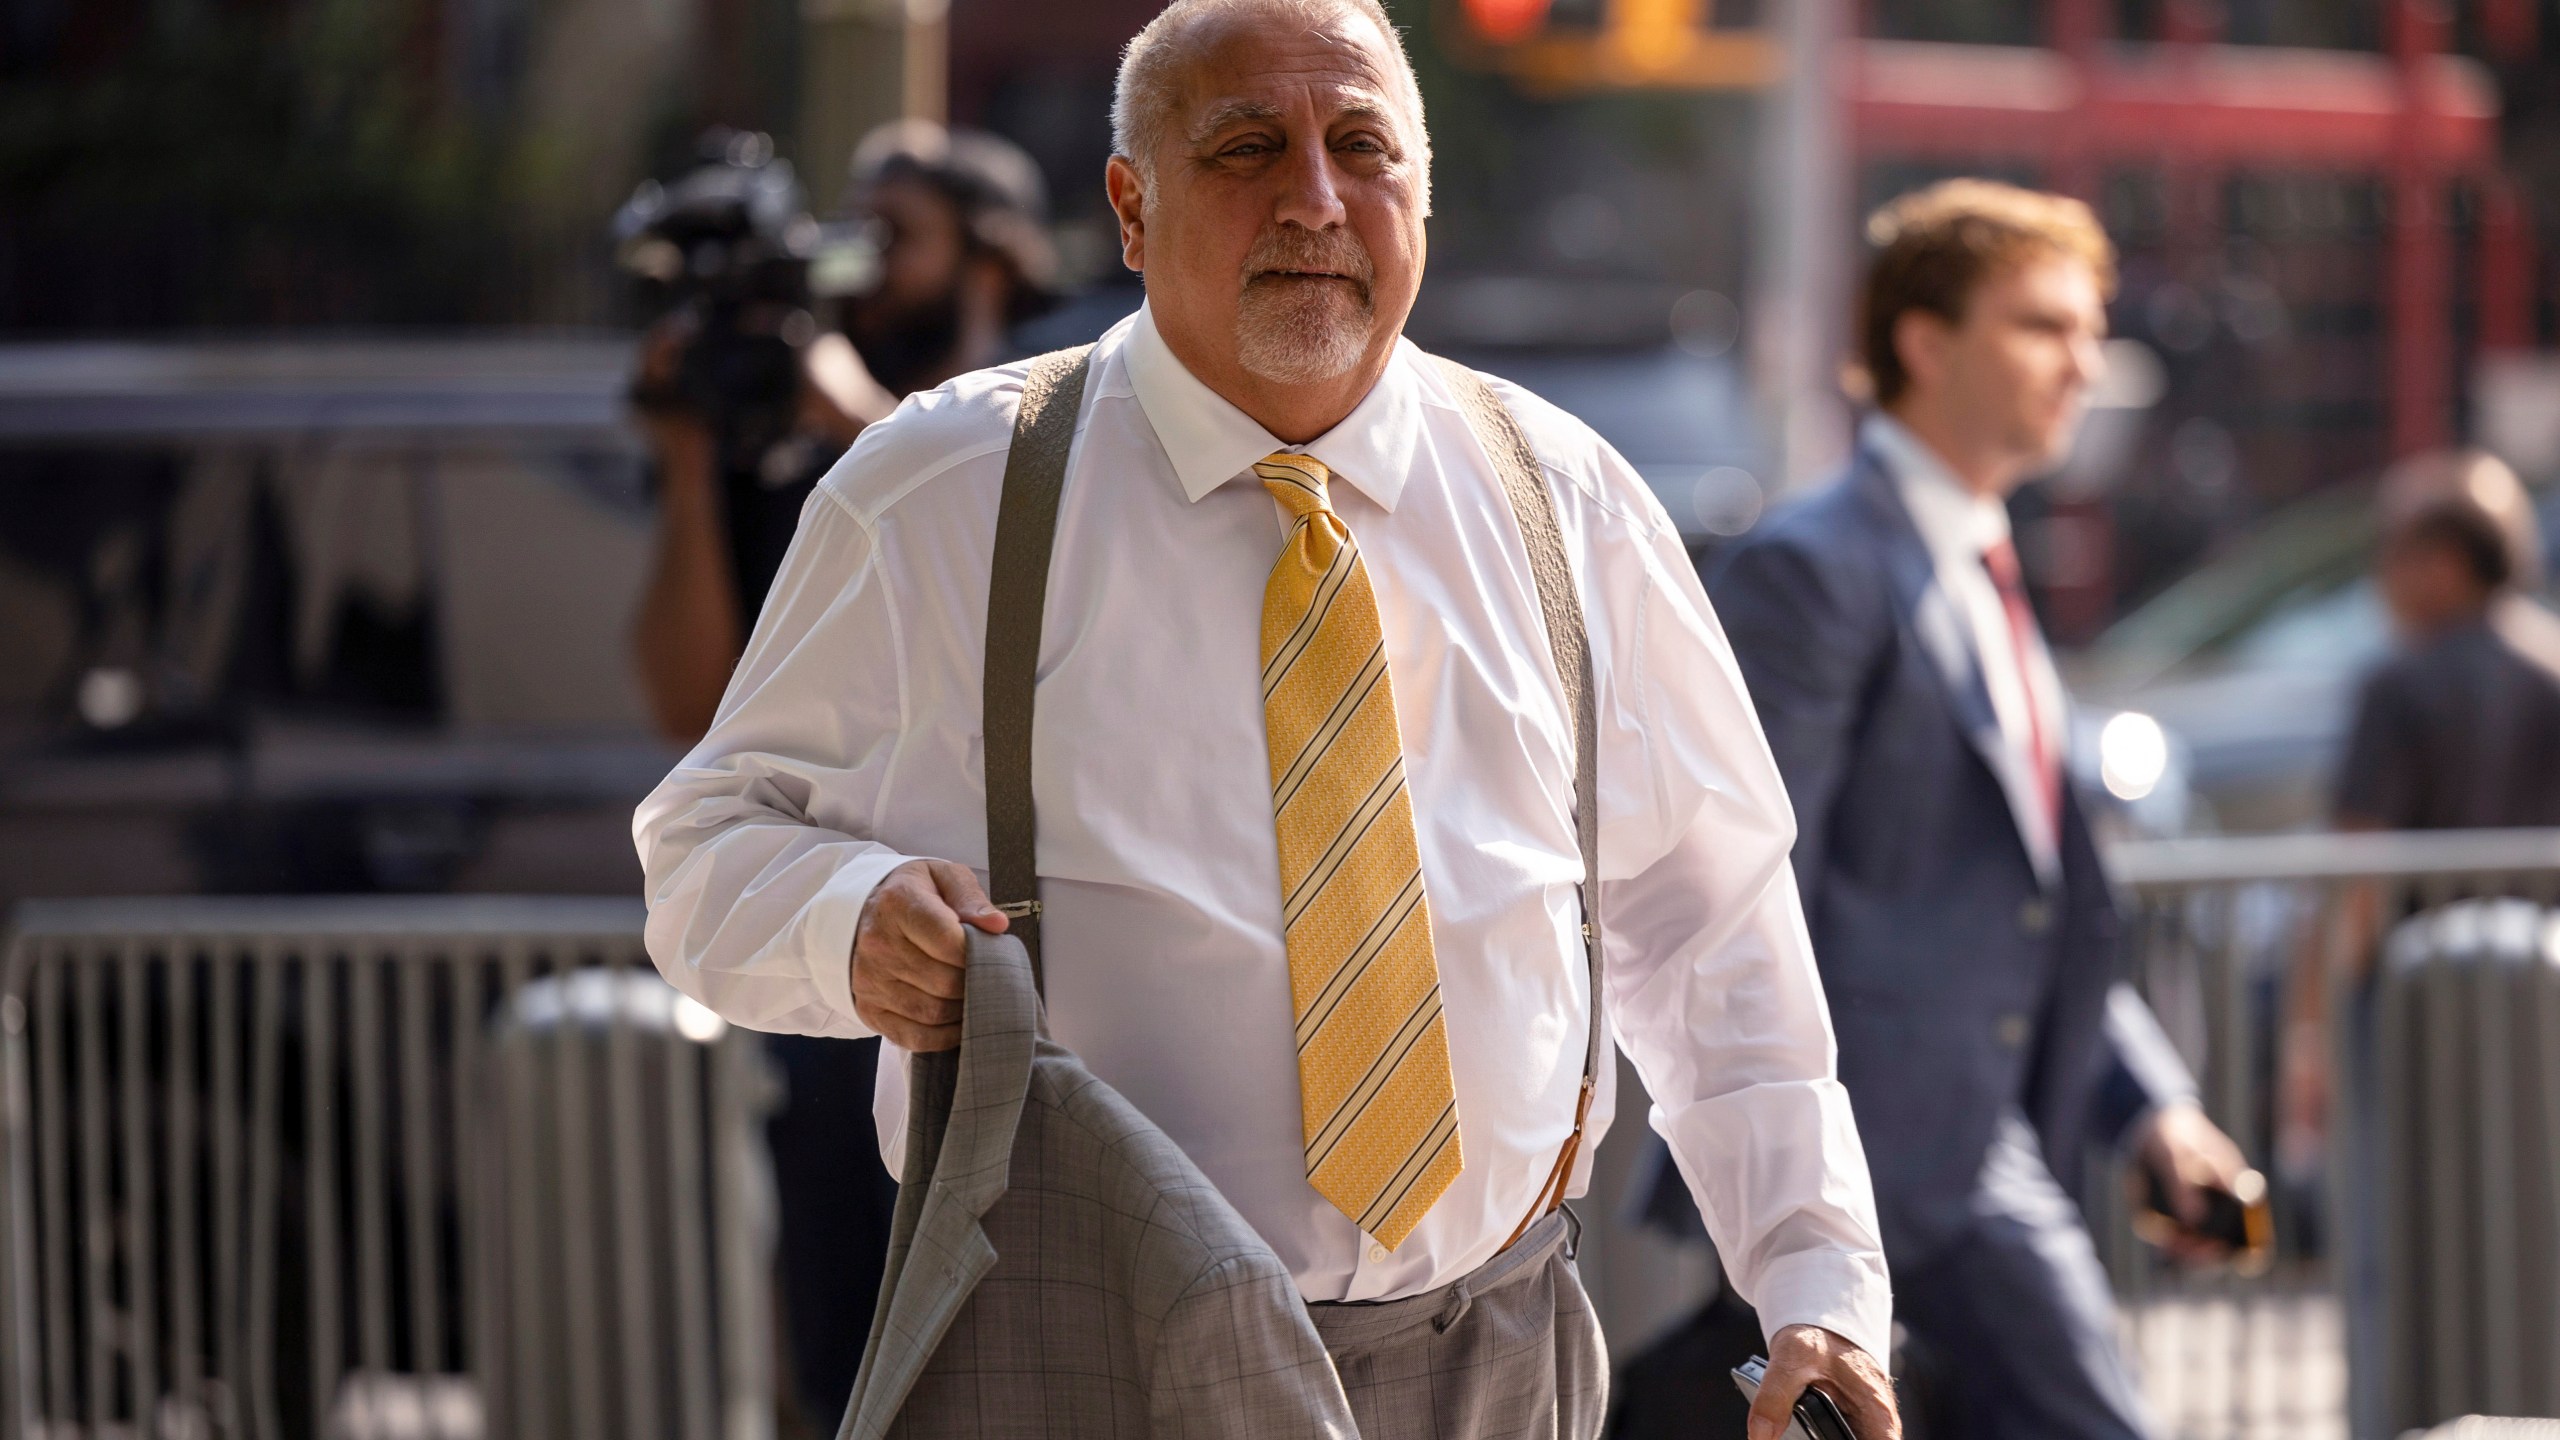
{"x":1019,"y":909}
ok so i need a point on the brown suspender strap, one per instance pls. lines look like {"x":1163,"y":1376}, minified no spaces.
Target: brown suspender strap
{"x":1018,"y":592}
{"x":1533,"y":509}
{"x":1035,"y":473}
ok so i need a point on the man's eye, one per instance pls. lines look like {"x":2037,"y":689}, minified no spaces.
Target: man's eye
{"x":1247,"y":148}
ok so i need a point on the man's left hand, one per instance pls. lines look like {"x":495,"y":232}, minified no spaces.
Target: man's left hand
{"x":1804,"y":1355}
{"x":2190,"y":1155}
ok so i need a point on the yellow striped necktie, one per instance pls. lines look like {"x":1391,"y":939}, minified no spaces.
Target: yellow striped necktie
{"x":1380,"y":1111}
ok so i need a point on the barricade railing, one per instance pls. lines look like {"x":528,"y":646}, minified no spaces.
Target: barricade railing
{"x":2220,"y":932}
{"x":345,"y":1169}
{"x":464,"y":1168}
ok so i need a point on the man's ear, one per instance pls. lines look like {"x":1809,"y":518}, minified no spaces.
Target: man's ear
{"x":1128,"y":192}
{"x":1920,"y":341}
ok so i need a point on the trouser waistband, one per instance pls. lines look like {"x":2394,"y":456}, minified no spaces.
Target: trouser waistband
{"x":1344,"y":1323}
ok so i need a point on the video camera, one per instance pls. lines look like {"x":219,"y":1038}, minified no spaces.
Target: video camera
{"x":733,"y":245}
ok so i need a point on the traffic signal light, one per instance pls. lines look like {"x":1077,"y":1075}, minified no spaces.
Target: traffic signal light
{"x":1506,"y":22}
{"x":1551,"y":48}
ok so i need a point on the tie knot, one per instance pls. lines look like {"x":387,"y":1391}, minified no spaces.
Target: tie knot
{"x":1297,"y":481}
{"x":2001,"y":559}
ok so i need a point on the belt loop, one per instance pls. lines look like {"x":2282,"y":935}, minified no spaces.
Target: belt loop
{"x":1460,"y":1302}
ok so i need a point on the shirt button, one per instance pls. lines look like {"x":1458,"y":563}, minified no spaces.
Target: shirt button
{"x":2035,"y":917}
{"x":1377,"y":1253}
{"x":2012,"y":1030}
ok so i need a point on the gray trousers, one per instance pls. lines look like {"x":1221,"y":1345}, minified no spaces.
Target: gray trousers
{"x":2018,"y":1312}
{"x":1511,"y":1352}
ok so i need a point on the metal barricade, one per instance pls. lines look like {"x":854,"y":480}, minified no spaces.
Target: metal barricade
{"x":2467,"y":1052}
{"x":2313,"y":1347}
{"x":348,"y":1169}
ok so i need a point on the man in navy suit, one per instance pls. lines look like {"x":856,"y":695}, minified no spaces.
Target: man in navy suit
{"x":1965,"y":933}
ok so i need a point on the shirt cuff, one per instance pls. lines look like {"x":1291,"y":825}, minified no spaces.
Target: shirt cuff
{"x":832,"y":919}
{"x":1845,"y":1294}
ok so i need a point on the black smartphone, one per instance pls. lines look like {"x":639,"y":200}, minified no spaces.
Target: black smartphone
{"x":1817,"y":1418}
{"x":2238,"y":1220}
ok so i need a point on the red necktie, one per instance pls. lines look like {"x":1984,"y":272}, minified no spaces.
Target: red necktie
{"x":2001,"y":559}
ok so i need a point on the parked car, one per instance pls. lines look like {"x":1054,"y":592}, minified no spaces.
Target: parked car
{"x":2252,"y":662}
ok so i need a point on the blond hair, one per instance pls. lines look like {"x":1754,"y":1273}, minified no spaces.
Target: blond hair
{"x":1934,"y":247}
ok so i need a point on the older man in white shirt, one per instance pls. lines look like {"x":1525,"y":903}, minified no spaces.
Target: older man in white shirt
{"x":812,"y":862}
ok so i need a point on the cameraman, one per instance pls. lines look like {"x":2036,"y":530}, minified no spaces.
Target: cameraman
{"x":962,"y":258}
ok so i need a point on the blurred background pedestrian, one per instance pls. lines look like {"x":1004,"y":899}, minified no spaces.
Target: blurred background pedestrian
{"x":757,"y":379}
{"x":2457,"y":728}
{"x":1964,"y":925}
{"x":2461,"y":728}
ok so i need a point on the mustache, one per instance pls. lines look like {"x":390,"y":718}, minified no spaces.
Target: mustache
{"x":1328,"y":252}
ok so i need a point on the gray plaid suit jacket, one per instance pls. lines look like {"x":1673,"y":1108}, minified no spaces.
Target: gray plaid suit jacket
{"x":1058,"y":1268}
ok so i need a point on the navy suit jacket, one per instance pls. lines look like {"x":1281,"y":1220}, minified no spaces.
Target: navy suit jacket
{"x":1961,"y":984}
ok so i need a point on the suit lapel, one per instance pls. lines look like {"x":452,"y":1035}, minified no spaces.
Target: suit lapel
{"x":1940,"y":626}
{"x":964,"y":1110}
{"x":1930,"y":611}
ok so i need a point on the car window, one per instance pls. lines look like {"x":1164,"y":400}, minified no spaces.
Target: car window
{"x":2316,"y":629}
{"x":2309,"y":549}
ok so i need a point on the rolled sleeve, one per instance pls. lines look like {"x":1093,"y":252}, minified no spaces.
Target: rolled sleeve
{"x":1846,"y":1295}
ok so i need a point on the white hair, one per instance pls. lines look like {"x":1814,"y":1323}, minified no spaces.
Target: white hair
{"x":1149,"y":87}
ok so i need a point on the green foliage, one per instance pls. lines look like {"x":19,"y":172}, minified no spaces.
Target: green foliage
{"x":1663,"y":162}
{"x":241,"y":166}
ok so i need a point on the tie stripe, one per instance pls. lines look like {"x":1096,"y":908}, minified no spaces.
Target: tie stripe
{"x":1345,"y":711}
{"x":1382,"y":1068}
{"x":1338,"y":984}
{"x":1439,"y":1144}
{"x":1373,"y":808}
{"x":1276,"y":669}
{"x":1377,"y":1104}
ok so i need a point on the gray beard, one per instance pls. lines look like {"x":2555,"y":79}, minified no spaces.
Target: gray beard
{"x":1294,"y":333}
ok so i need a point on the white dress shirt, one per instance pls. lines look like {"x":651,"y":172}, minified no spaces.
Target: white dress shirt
{"x":849,"y":743}
{"x":1959,"y":526}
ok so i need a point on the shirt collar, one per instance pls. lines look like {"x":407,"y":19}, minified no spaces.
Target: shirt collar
{"x":1952,"y":520}
{"x":1211,"y":442}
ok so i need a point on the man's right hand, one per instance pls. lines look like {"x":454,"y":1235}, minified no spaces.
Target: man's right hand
{"x":910,"y":952}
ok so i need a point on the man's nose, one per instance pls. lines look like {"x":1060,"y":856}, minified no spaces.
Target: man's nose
{"x":1308,"y":195}
{"x":2089,"y":362}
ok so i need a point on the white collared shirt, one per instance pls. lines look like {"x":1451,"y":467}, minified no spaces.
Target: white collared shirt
{"x":1959,"y":526}
{"x":849,"y":742}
